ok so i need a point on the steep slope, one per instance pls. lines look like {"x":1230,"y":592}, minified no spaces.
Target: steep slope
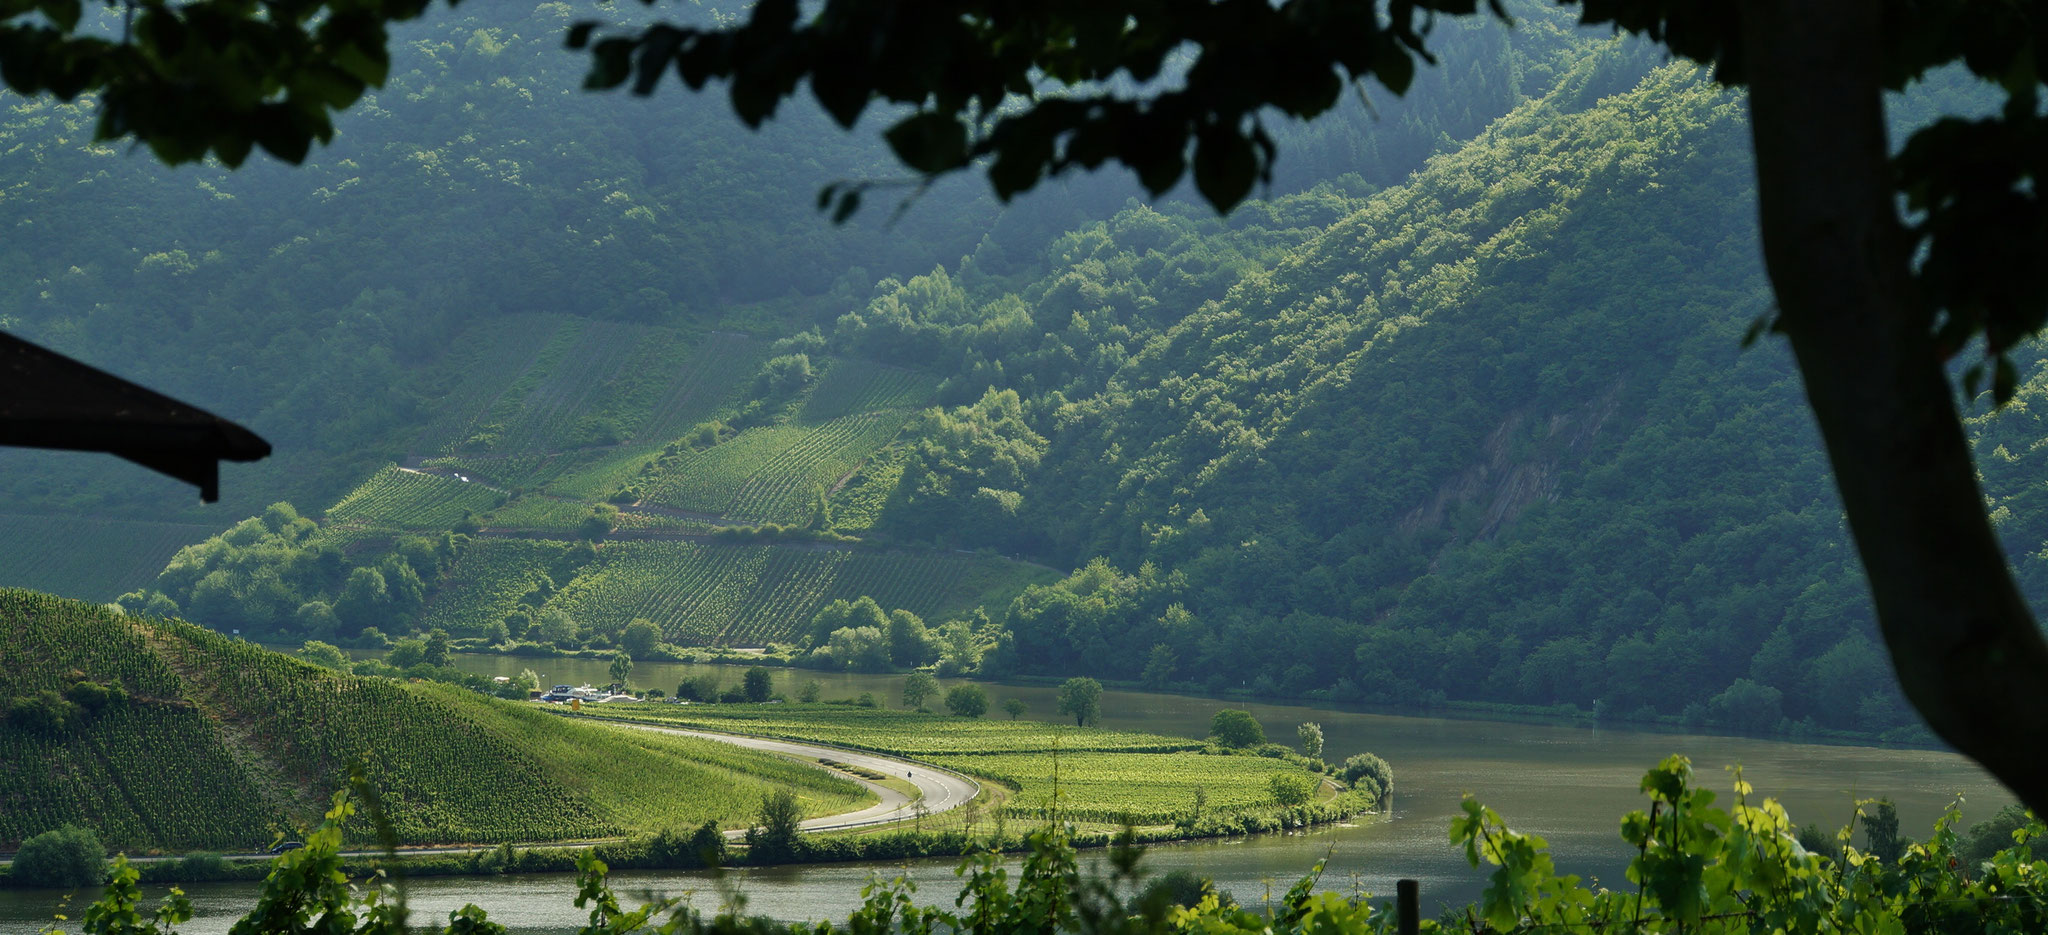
{"x":1488,"y":435}
{"x":160,"y":734}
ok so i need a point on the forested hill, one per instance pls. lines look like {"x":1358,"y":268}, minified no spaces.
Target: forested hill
{"x":1487,"y":435}
{"x":315,"y":303}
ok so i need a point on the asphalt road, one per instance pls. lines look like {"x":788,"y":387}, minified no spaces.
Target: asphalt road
{"x":942,"y":790}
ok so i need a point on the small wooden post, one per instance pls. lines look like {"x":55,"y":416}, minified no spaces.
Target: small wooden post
{"x":1408,"y":906}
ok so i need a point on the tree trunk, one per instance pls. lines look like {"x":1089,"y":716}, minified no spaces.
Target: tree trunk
{"x":1962,"y":640}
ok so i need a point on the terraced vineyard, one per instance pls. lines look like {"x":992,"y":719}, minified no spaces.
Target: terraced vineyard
{"x":492,"y":359}
{"x":770,"y":474}
{"x":853,"y":386}
{"x":749,"y":595}
{"x":402,"y":499}
{"x":711,"y":377}
{"x":539,"y":513}
{"x":450,"y":765}
{"x":487,"y":581}
{"x":101,"y":558}
{"x":551,"y":384}
{"x":547,"y":417}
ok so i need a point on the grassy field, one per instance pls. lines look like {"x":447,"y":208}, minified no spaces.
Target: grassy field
{"x":220,"y":744}
{"x":89,"y":559}
{"x":750,"y":595}
{"x":1103,"y":776}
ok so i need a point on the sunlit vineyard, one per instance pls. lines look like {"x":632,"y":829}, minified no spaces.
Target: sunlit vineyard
{"x":1104,"y":775}
{"x":909,"y":733}
{"x":1110,"y":787}
{"x":158,"y":768}
{"x":746,"y":595}
{"x":395,"y":497}
{"x":487,"y":580}
{"x":492,"y":469}
{"x":99,"y":558}
{"x":770,"y":474}
{"x":721,"y":786}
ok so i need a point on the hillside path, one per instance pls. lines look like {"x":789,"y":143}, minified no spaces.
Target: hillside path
{"x":942,"y":790}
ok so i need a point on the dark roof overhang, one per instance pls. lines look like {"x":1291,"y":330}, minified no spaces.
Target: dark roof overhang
{"x":48,"y":400}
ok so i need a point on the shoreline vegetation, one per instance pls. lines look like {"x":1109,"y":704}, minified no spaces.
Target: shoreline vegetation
{"x":102,"y":697}
{"x":1558,"y":714}
{"x":1700,"y":868}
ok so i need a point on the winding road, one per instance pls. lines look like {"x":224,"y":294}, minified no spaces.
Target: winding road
{"x":942,"y":790}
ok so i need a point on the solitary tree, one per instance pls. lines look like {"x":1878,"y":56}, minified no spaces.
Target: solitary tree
{"x":1082,"y":698}
{"x":758,"y":685}
{"x":1291,"y":790}
{"x":437,"y":648}
{"x":1235,"y":727}
{"x":323,"y":654}
{"x":918,"y":689}
{"x":640,"y":636}
{"x":1311,"y":735}
{"x":1015,"y":707}
{"x":775,"y":836}
{"x":66,"y":856}
{"x":622,"y":666}
{"x":967,"y":700}
{"x":407,"y":653}
{"x":1875,"y":304}
{"x":1881,"y":831}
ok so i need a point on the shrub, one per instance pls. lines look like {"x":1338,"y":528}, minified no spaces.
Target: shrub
{"x":44,"y":712}
{"x":66,"y":857}
{"x":204,"y":865}
{"x":1369,"y":772}
{"x":1292,"y":790}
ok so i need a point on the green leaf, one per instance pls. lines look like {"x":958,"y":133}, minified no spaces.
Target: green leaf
{"x":929,"y":142}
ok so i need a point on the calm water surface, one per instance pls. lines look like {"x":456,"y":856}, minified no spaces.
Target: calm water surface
{"x":1569,"y":784}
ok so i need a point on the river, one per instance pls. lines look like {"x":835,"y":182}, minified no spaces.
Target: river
{"x":1569,"y":784}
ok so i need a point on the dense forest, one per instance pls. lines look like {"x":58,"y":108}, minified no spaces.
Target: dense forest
{"x":1458,"y":411}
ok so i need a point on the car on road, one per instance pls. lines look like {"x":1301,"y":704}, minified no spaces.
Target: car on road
{"x":283,"y":846}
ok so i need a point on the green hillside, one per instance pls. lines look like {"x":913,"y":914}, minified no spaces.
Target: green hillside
{"x":737,"y":595}
{"x":1488,"y":435}
{"x":177,"y":737}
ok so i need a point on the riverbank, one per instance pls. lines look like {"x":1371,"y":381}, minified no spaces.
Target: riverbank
{"x":1568,"y":784}
{"x":1114,"y":782}
{"x":1566,"y":715}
